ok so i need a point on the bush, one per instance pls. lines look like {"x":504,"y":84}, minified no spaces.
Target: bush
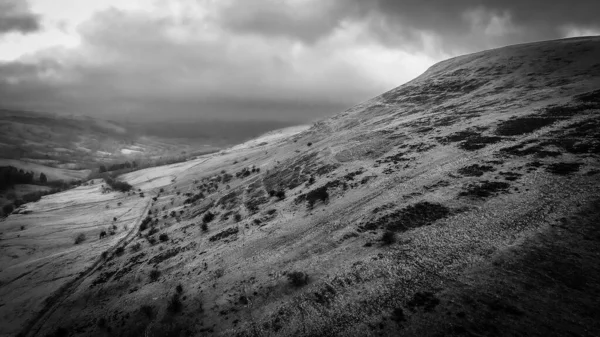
{"x":179,"y":288}
{"x":120,"y":250}
{"x":280,"y":194}
{"x":175,"y":305}
{"x":208,"y":217}
{"x":145,"y":223}
{"x":163,"y":237}
{"x":118,"y":185}
{"x":154,"y":275}
{"x":388,"y":237}
{"x":309,"y":144}
{"x":204,"y":227}
{"x":80,"y":238}
{"x":237,"y":217}
{"x":136,"y":247}
{"x":298,"y":278}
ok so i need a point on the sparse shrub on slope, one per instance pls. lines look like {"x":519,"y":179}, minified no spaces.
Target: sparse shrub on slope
{"x":80,"y":238}
{"x":388,"y":237}
{"x":118,"y":185}
{"x":298,"y":278}
{"x":163,"y":237}
{"x":154,"y":275}
{"x":208,"y":217}
{"x":145,"y":223}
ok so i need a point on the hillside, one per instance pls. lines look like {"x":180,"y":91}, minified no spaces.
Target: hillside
{"x":465,"y":202}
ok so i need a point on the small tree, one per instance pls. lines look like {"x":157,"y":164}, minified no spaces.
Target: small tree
{"x":43,"y":178}
{"x":163,"y":237}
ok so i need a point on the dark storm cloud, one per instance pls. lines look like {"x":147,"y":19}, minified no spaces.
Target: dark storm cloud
{"x":275,"y":59}
{"x":306,"y":21}
{"x":467,"y":25}
{"x":16,"y":17}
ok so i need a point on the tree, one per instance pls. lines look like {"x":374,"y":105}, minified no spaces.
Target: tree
{"x":102,"y":169}
{"x":43,"y":178}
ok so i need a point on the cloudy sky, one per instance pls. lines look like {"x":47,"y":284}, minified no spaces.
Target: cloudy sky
{"x":293,"y":60}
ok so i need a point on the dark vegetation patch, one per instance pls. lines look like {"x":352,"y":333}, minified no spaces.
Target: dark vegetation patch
{"x":475,"y":170}
{"x":563,"y":168}
{"x":103,"y":277}
{"x":172,"y":252}
{"x":395,"y":158}
{"x":320,"y":193}
{"x":438,"y":185}
{"x":511,"y":176}
{"x":425,"y":300}
{"x":469,"y":140}
{"x":413,"y":216}
{"x":484,"y":189}
{"x":549,"y":115}
{"x":224,"y":234}
{"x":297,"y":278}
{"x":524,"y":150}
{"x":230,"y":200}
{"x":523,"y":125}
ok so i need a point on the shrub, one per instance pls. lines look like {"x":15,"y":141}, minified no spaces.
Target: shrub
{"x":118,"y":185}
{"x":120,"y":250}
{"x":179,"y":288}
{"x":208,"y":217}
{"x":309,"y":144}
{"x":102,"y":234}
{"x":154,"y":275}
{"x":280,"y":194}
{"x":237,"y":217}
{"x":388,"y":237}
{"x":136,"y":247}
{"x":104,"y":255}
{"x":175,"y":305}
{"x":298,"y":278}
{"x":204,"y":227}
{"x":145,"y":223}
{"x":163,"y":237}
{"x":80,"y":238}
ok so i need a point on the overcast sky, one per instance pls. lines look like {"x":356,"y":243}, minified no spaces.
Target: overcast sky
{"x":293,"y":60}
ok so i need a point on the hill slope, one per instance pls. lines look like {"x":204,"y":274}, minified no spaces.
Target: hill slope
{"x":465,"y":202}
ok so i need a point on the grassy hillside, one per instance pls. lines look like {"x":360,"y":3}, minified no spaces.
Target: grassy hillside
{"x":465,"y":202}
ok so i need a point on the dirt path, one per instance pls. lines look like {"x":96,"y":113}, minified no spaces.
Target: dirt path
{"x":54,"y":301}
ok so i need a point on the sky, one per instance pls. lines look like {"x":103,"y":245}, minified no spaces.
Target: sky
{"x":286,"y":60}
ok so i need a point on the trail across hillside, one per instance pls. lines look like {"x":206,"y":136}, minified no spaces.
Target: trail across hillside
{"x":55,"y":300}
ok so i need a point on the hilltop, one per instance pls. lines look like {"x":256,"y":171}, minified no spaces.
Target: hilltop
{"x":464,"y":202}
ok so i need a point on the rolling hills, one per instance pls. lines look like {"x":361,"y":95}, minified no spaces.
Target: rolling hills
{"x":465,"y":202}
